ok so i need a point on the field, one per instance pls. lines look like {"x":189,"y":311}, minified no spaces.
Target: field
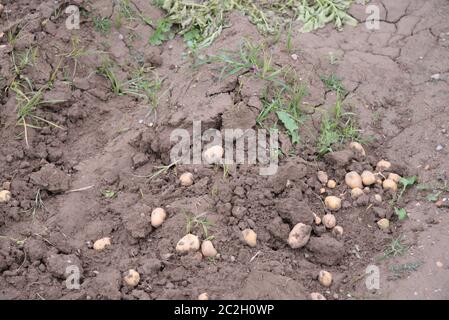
{"x":87,"y":115}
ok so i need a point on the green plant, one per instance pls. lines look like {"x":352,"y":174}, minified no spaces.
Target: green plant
{"x":160,"y":170}
{"x":102,"y":24}
{"x":38,"y":204}
{"x":161,"y":33}
{"x":106,"y":70}
{"x":334,"y":83}
{"x":109,"y":194}
{"x":336,"y":129}
{"x":198,"y":221}
{"x":395,"y":248}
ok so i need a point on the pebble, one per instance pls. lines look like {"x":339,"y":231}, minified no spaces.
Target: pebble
{"x":436,"y":76}
{"x":439,"y":264}
{"x":439,"y":147}
{"x":294,"y":56}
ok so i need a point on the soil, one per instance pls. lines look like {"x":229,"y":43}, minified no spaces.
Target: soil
{"x":58,"y":177}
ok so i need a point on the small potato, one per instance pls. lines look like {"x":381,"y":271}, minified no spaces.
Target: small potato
{"x":213,"y":155}
{"x":207,"y":249}
{"x":316,"y":219}
{"x":158,"y":217}
{"x":325,"y":278}
{"x":188,"y":243}
{"x":368,"y":178}
{"x":383,"y":165}
{"x":132,"y":278}
{"x":329,"y":221}
{"x":322,"y":176}
{"x":333,"y":203}
{"x":5,"y":196}
{"x":357,"y":193}
{"x":390,"y":185}
{"x":317,"y":296}
{"x":357,"y":148}
{"x":322,"y":191}
{"x":102,"y":243}
{"x":250,"y":237}
{"x":299,"y":236}
{"x":331,"y":184}
{"x":378,"y":198}
{"x":395,"y":177}
{"x":186,"y":179}
{"x":353,"y":180}
{"x":337,"y":230}
{"x":203,"y":296}
{"x":383,"y":224}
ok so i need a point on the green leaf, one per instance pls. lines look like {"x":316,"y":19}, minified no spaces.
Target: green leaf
{"x":401,"y":213}
{"x":433,"y":197}
{"x":406,"y":182}
{"x":289,"y":124}
{"x":109,"y":194}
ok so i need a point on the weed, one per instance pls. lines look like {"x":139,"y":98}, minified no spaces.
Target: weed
{"x":102,"y":24}
{"x":395,"y":248}
{"x":399,"y":270}
{"x":336,"y":129}
{"x":334,"y":83}
{"x":199,"y":221}
{"x":109,"y":194}
{"x":38,"y":204}
{"x":160,"y":170}
{"x":106,"y":70}
{"x":22,"y":60}
{"x":289,"y":43}
{"x":161,"y":33}
{"x":77,"y":52}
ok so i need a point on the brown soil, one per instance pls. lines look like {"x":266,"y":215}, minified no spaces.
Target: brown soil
{"x":108,"y":142}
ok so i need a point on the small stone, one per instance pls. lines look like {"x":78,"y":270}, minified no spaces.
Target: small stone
{"x":294,"y":56}
{"x":439,"y":147}
{"x":250,"y":237}
{"x":435,"y":76}
{"x":317,"y":296}
{"x":5,"y":196}
{"x":383,"y":224}
{"x":439,"y":264}
{"x":322,"y":176}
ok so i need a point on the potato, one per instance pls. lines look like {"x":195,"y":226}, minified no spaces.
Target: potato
{"x":250,"y":237}
{"x":102,"y":243}
{"x":357,"y":148}
{"x":325,"y":278}
{"x":158,"y":217}
{"x":353,"y":180}
{"x":322,"y":191}
{"x":188,"y":243}
{"x":378,"y":198}
{"x":317,"y":296}
{"x":186,"y":179}
{"x":395,"y":177}
{"x":337,"y":230}
{"x":383,"y":165}
{"x":333,"y":203}
{"x":132,"y":278}
{"x":390,"y":185}
{"x":356,"y":193}
{"x":384,"y":224}
{"x":329,"y":221}
{"x":322,"y":176}
{"x":368,"y":178}
{"x":299,"y":236}
{"x":331,"y":184}
{"x":5,"y":196}
{"x":316,"y":219}
{"x":213,"y":155}
{"x":203,"y":296}
{"x":207,"y":249}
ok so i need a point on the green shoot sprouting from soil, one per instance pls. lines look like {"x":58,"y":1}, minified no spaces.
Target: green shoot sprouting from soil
{"x":395,"y":248}
{"x":194,"y":222}
{"x":337,"y":129}
{"x":102,"y":25}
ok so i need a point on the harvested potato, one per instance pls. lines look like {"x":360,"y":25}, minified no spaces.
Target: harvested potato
{"x":356,"y":193}
{"x":357,"y":148}
{"x":329,"y":221}
{"x":213,"y":155}
{"x":132,"y":278}
{"x":158,"y":217}
{"x":368,"y":178}
{"x":186,"y":179}
{"x":337,"y":230}
{"x":102,"y":243}
{"x":322,"y":191}
{"x":353,"y":180}
{"x":317,"y":219}
{"x":5,"y":196}
{"x":188,"y":243}
{"x":331,"y":184}
{"x":325,"y":278}
{"x":383,"y":165}
{"x":322,"y":177}
{"x":384,"y":224}
{"x":317,"y":296}
{"x":207,"y":249}
{"x":299,"y":236}
{"x":395,"y":177}
{"x":203,"y":296}
{"x":250,"y":237}
{"x":333,"y":203}
{"x":390,"y":185}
